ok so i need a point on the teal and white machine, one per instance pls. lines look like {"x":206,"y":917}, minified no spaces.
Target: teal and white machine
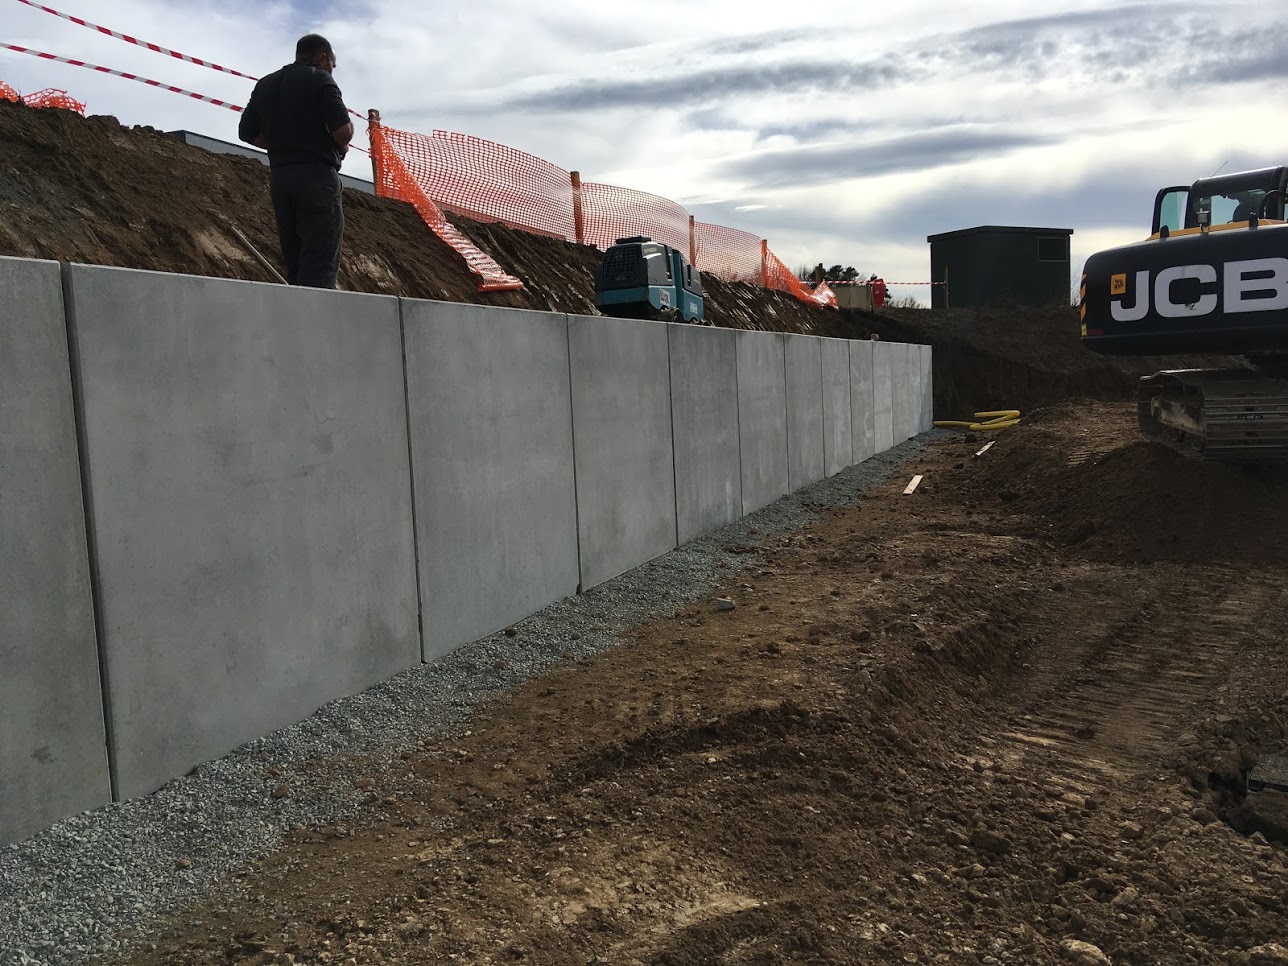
{"x":639,"y":278}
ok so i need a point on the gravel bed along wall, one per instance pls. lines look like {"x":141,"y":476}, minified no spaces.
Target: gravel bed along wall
{"x":67,"y":893}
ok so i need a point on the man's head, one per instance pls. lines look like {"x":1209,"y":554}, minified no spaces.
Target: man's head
{"x":316,"y":50}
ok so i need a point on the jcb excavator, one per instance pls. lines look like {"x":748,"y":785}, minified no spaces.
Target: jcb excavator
{"x":1211,"y":278}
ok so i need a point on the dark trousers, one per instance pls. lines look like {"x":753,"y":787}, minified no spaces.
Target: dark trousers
{"x":310,"y":222}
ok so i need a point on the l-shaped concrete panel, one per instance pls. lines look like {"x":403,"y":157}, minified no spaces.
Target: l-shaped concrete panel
{"x":53,"y":753}
{"x":490,"y":417}
{"x":838,"y":433}
{"x":704,"y":415}
{"x":624,"y":454}
{"x":862,"y":415}
{"x":805,"y":453}
{"x":247,"y":463}
{"x":762,"y":417}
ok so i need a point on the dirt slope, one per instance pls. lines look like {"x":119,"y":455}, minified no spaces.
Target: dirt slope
{"x":90,"y":190}
{"x":938,"y":728}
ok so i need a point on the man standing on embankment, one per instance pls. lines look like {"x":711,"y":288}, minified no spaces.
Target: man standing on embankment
{"x":299,"y":117}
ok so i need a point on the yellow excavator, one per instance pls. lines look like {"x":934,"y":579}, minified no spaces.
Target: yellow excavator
{"x":1212,"y":278}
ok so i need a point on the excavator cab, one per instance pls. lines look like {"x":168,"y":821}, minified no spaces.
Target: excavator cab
{"x":1234,"y":199}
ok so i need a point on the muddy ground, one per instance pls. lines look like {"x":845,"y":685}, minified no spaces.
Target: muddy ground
{"x":1000,"y":720}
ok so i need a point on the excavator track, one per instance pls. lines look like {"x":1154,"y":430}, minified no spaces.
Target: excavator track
{"x":1221,"y":415}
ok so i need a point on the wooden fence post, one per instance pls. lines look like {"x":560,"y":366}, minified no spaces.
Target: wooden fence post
{"x":373,"y":124}
{"x":578,"y":213}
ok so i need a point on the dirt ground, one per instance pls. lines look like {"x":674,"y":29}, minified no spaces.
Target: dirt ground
{"x":1000,"y":720}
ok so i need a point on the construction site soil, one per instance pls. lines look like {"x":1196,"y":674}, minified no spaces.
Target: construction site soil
{"x":1003,"y":719}
{"x":992,"y":721}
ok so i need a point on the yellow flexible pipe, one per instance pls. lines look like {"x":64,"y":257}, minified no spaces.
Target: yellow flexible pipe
{"x":996,"y":419}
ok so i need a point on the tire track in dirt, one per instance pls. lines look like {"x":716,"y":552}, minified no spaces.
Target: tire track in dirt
{"x":1111,"y":711}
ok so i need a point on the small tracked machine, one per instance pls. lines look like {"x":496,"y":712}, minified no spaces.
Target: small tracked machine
{"x":639,"y":278}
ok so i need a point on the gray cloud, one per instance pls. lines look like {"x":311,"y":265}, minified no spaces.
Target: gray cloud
{"x":681,"y":90}
{"x":920,"y":151}
{"x":1121,"y":196}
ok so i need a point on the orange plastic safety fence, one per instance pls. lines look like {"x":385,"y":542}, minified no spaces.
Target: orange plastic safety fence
{"x":488,"y":181}
{"x":398,"y":176}
{"x":612,"y":213}
{"x":54,"y":98}
{"x":727,"y":253}
{"x":779,"y":276}
{"x":7,"y":93}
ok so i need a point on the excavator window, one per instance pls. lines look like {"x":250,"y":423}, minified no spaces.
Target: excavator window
{"x":1172,"y":203}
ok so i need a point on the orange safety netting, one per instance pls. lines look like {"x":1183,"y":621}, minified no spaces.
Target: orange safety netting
{"x":45,"y":98}
{"x":397,"y":177}
{"x":486,"y":181}
{"x":727,"y":253}
{"x":612,"y":213}
{"x":54,"y":98}
{"x":778,"y":276}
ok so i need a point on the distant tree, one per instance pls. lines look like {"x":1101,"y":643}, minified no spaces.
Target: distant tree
{"x":837,"y":273}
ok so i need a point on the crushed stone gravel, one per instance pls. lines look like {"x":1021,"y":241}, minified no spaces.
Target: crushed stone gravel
{"x":68,"y":893}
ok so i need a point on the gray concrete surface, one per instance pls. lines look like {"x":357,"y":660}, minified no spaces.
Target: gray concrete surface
{"x":762,"y":418}
{"x":927,"y":389}
{"x":861,"y":413}
{"x":838,"y":431}
{"x":913,"y":362}
{"x":251,"y":504}
{"x":621,"y":404}
{"x":704,"y":419}
{"x":490,"y":408}
{"x":804,"y":365}
{"x":882,"y":394}
{"x":902,"y":391}
{"x":53,"y":753}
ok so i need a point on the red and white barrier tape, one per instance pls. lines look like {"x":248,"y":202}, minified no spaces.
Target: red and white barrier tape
{"x":884,"y":282}
{"x":120,"y":73}
{"x":155,"y":48}
{"x":206,"y":98}
{"x":148,"y":45}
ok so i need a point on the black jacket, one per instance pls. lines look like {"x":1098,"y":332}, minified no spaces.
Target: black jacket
{"x":295,"y":109}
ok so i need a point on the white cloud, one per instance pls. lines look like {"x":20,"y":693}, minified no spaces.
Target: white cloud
{"x":847,"y":139}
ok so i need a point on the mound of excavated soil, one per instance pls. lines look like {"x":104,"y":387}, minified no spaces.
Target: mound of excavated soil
{"x":1111,"y":496}
{"x":1011,"y":358}
{"x":89,"y":190}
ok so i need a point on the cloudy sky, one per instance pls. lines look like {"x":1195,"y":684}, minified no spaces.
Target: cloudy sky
{"x":848,"y":138}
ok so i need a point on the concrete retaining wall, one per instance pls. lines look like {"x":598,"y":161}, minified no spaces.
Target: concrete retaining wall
{"x":883,"y":358}
{"x":490,"y":416}
{"x":294,"y":494}
{"x":862,"y":415}
{"x":621,"y":407}
{"x":838,"y":431}
{"x":53,"y":753}
{"x":927,"y":388}
{"x":246,"y":447}
{"x":805,"y":453}
{"x":704,"y":417}
{"x":762,"y":417}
